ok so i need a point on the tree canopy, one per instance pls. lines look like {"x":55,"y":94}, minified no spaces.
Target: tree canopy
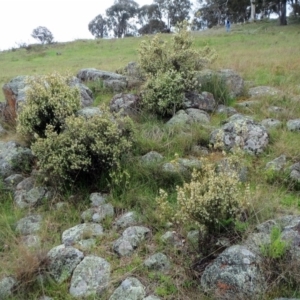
{"x":43,"y":34}
{"x":98,"y":27}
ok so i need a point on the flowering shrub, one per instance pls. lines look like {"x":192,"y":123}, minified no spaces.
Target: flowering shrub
{"x":49,"y":100}
{"x":85,"y":148}
{"x":166,"y":62}
{"x":211,"y":197}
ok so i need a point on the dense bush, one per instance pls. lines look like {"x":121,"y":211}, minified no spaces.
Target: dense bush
{"x":171,"y":62}
{"x":211,"y":198}
{"x":85,"y":148}
{"x":49,"y":100}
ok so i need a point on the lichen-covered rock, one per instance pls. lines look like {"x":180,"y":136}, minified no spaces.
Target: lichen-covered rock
{"x":277,"y":164}
{"x":130,"y":240}
{"x":81,"y":232}
{"x":62,"y":262}
{"x":204,"y":101}
{"x":130,"y":289}
{"x":243,"y":132}
{"x":260,"y":91}
{"x":127,"y":104}
{"x":13,"y":180}
{"x":7,"y":285}
{"x":172,"y":238}
{"x":14,"y":157}
{"x":31,"y":241}
{"x":89,"y":112}
{"x":271,"y":123}
{"x":227,"y":110}
{"x":29,"y":225}
{"x":90,"y":277}
{"x":152,"y":157}
{"x":158,"y":261}
{"x":97,"y":199}
{"x":235,"y":274}
{"x":189,"y":116}
{"x":295,"y":172}
{"x":128,"y":219}
{"x":293,"y":125}
{"x":97,"y":214}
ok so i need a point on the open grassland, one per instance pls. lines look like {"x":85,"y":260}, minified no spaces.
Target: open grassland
{"x":264,"y":54}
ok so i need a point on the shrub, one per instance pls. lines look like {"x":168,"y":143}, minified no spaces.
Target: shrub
{"x":85,"y":148}
{"x":172,"y":61}
{"x":49,"y":100}
{"x":210,"y":199}
{"x":164,"y":93}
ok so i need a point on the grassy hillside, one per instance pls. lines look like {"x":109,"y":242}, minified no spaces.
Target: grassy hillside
{"x":264,"y":54}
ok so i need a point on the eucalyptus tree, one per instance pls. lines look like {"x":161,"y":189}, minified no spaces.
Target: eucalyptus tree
{"x":119,"y":16}
{"x":42,"y":34}
{"x":98,"y":27}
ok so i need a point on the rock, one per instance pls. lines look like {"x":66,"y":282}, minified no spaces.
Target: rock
{"x":158,"y":262}
{"x":151,"y":158}
{"x":62,"y":262}
{"x":277,"y":164}
{"x":271,"y":123}
{"x":31,"y":241}
{"x":29,"y":225}
{"x":243,"y":132}
{"x":204,"y":101}
{"x":33,"y":197}
{"x":14,"y":157}
{"x":173,"y":168}
{"x":85,"y":245}
{"x":151,"y":297}
{"x":173,"y":239}
{"x":89,"y":112}
{"x":293,"y":125}
{"x":182,"y":166}
{"x":110,"y":80}
{"x":126,"y":220}
{"x":190,"y":163}
{"x":130,"y":240}
{"x":263,"y":91}
{"x":127,"y":104}
{"x":235,"y":274}
{"x":295,"y":172}
{"x":191,"y":115}
{"x":248,"y":103}
{"x":97,"y":214}
{"x":15,"y":94}
{"x":97,"y":199}
{"x":130,"y":289}
{"x":90,"y":277}
{"x":226,"y":166}
{"x":227,"y":110}
{"x":27,"y":184}
{"x":81,"y":232}
{"x":7,"y":285}
{"x":13,"y":180}
{"x":276,"y":109}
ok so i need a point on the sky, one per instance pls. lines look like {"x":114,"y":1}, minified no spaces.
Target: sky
{"x":66,"y":19}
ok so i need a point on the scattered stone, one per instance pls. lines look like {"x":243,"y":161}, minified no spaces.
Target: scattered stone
{"x":81,"y":232}
{"x":204,"y":101}
{"x":97,"y":214}
{"x":126,"y":220}
{"x":158,"y":262}
{"x":130,"y":289}
{"x":197,"y":116}
{"x":262,"y":91}
{"x":277,"y":164}
{"x":271,"y":123}
{"x":14,"y":158}
{"x":248,"y":103}
{"x":199,"y":150}
{"x":91,"y":277}
{"x":293,"y":125}
{"x":130,"y":240}
{"x":27,"y":184}
{"x":97,"y":199}
{"x":33,"y":197}
{"x":127,"y":104}
{"x":13,"y":180}
{"x":85,"y":245}
{"x":295,"y":172}
{"x":31,"y":241}
{"x":243,"y":132}
{"x":62,"y":261}
{"x":227,"y":110}
{"x":152,"y":157}
{"x":29,"y":225}
{"x":173,"y":239}
{"x":234,"y":274}
{"x":233,"y":81}
{"x":7,"y":285}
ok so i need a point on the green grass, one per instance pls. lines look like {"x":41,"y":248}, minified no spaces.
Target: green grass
{"x":263,"y":53}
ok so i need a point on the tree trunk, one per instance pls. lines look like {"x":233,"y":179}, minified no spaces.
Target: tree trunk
{"x":282,"y":12}
{"x":252,"y":5}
